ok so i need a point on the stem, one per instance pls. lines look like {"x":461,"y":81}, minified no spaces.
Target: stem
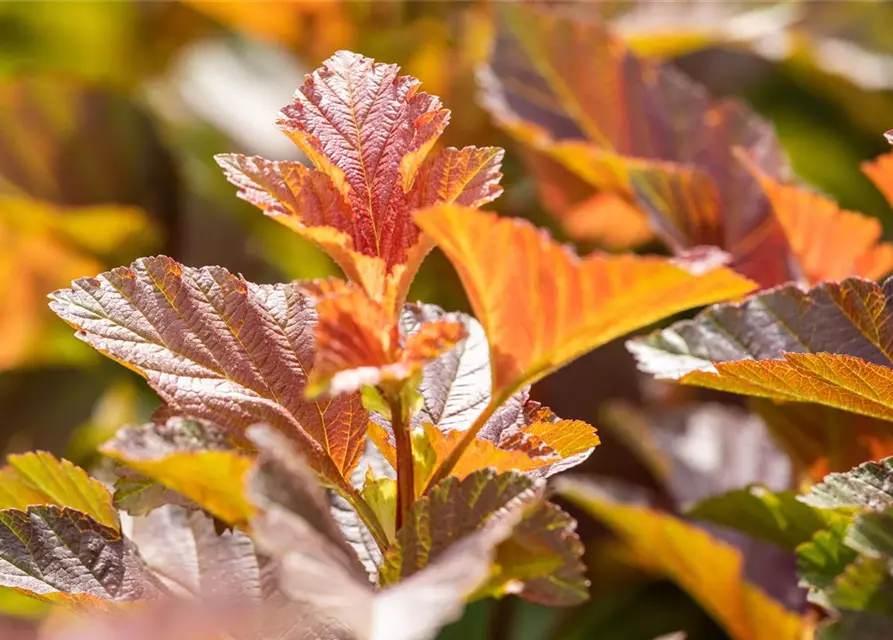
{"x":446,"y":467}
{"x":405,"y":471}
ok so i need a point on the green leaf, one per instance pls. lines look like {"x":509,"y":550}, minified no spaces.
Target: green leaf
{"x":870,"y":485}
{"x":47,"y":551}
{"x":191,"y":459}
{"x":381,"y":496}
{"x":822,"y":559}
{"x":865,"y":585}
{"x":872,"y":534}
{"x":541,"y":560}
{"x":39,"y":478}
{"x":777,"y":517}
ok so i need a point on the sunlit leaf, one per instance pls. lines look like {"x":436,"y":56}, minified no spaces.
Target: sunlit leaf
{"x":539,"y":561}
{"x":179,"y":456}
{"x":827,"y":345}
{"x":654,"y":138}
{"x":369,"y":132}
{"x":49,"y":551}
{"x":710,"y":570}
{"x":880,"y":170}
{"x":868,"y":486}
{"x":509,"y":268}
{"x":39,"y":478}
{"x":203,"y":337}
{"x":777,"y":517}
{"x":358,"y":341}
{"x":814,"y":226}
{"x":42,"y":247}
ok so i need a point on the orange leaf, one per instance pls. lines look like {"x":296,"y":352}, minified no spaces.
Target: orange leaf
{"x":830,"y":345}
{"x":358,"y":341}
{"x":542,"y":306}
{"x":369,"y":132}
{"x":814,"y":226}
{"x":563,"y":84}
{"x":880,"y":170}
{"x":711,"y":571}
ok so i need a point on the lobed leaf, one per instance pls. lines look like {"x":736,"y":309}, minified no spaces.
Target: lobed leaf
{"x":708,"y":569}
{"x":823,"y":558}
{"x":204,"y":337}
{"x":189,"y":459}
{"x":541,"y":559}
{"x":56,"y":552}
{"x":358,"y":341}
{"x":39,"y":478}
{"x":828,"y":345}
{"x":369,"y":132}
{"x":868,"y":486}
{"x":509,"y":268}
{"x":655,"y":138}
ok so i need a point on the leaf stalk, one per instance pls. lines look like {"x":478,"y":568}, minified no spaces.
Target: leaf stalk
{"x":405,"y":469}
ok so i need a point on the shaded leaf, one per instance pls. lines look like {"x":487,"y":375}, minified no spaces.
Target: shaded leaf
{"x":190,"y":459}
{"x":777,"y":517}
{"x":314,"y":569}
{"x":358,"y":341}
{"x":708,"y":569}
{"x":183,"y":548}
{"x":586,"y":301}
{"x":868,"y":486}
{"x":369,"y":132}
{"x":872,"y":534}
{"x":655,"y":138}
{"x":204,"y":336}
{"x":823,"y":558}
{"x":821,"y":439}
{"x":540,"y":561}
{"x":39,"y":478}
{"x":49,"y":550}
{"x":864,"y":585}
{"x":825,"y":345}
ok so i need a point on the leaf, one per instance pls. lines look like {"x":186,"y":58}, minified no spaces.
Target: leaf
{"x":655,"y":138}
{"x":821,"y":439}
{"x":585,"y":301}
{"x":358,"y":341}
{"x":381,"y":496}
{"x":185,"y":551}
{"x":203,"y":337}
{"x":880,"y":170}
{"x":316,"y":569}
{"x":39,"y":478}
{"x":823,"y":558}
{"x":826,"y":345}
{"x":190,"y":459}
{"x":710,"y":570}
{"x":48,"y":550}
{"x":868,"y":486}
{"x":814,"y":225}
{"x":871,"y":533}
{"x":42,"y":247}
{"x":369,"y":132}
{"x":541,"y":560}
{"x":777,"y":517}
{"x":865,"y":585}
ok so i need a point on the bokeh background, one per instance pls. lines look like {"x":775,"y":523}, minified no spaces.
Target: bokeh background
{"x":110,"y":113}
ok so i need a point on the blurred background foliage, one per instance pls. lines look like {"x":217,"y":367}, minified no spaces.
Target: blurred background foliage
{"x":110,"y":113}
